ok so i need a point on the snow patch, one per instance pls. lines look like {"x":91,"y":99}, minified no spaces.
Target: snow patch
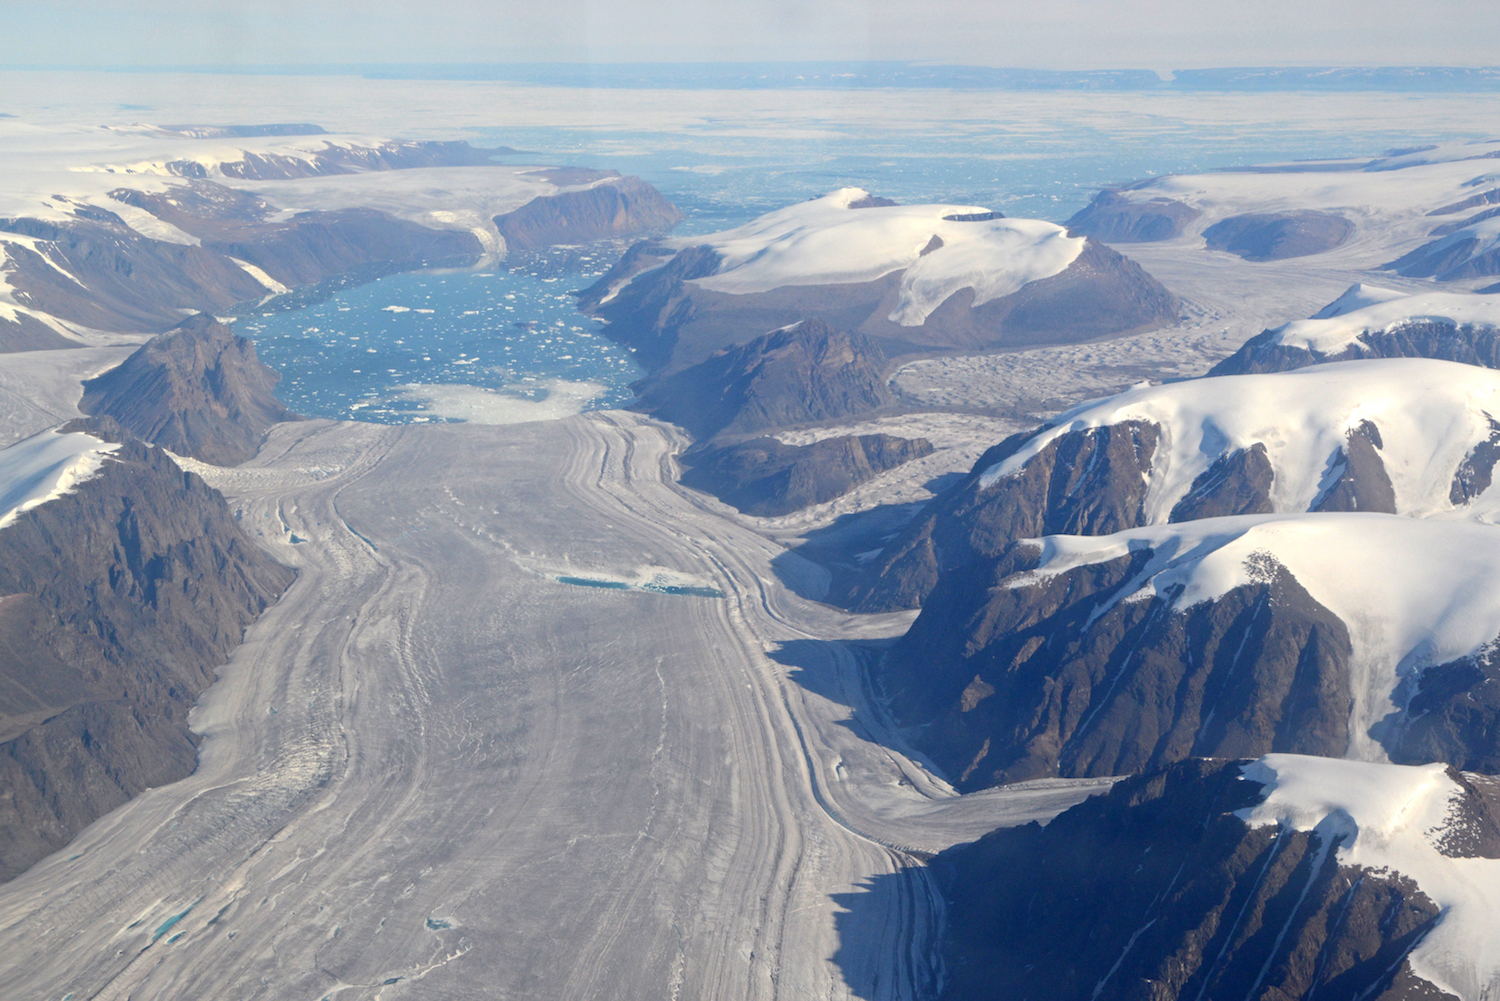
{"x":266,"y":280}
{"x":1357,"y":296}
{"x":824,"y":242}
{"x":44,"y":467}
{"x":1391,"y":817}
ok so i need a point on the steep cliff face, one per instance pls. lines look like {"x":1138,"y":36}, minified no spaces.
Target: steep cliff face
{"x":612,"y":209}
{"x":197,"y":390}
{"x":305,"y":248}
{"x":1158,"y":890}
{"x":97,"y":271}
{"x":767,"y":477}
{"x":1011,"y":678}
{"x":1087,"y":482}
{"x":121,"y":599}
{"x":805,"y":373}
{"x":21,"y":331}
{"x":1308,"y":440}
{"x":1470,"y":344}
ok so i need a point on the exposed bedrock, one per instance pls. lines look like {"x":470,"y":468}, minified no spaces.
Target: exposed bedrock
{"x":98,"y":272}
{"x":1453,"y":227}
{"x":673,"y":323}
{"x":23,"y":332}
{"x":806,"y":373}
{"x":767,"y":477}
{"x":1356,"y":478}
{"x":1010,"y":677}
{"x":1238,"y":482}
{"x":306,"y":248}
{"x":618,"y":208}
{"x":1087,"y":482}
{"x":119,"y":280}
{"x":1157,"y":891}
{"x":197,"y":390}
{"x":120,"y":601}
{"x":1114,"y":218}
{"x":1276,"y":236}
{"x":1444,"y":340}
{"x":1490,"y":197}
{"x":1459,"y":255}
{"x":1450,"y":712}
{"x":1094,"y":481}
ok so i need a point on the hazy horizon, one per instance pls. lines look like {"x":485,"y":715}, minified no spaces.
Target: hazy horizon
{"x":1071,"y":35}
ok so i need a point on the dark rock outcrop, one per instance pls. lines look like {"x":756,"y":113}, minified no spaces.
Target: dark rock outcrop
{"x":198,"y":390}
{"x":124,"y":281}
{"x":1086,"y":482}
{"x":1156,"y":891}
{"x":26,"y":333}
{"x":1489,"y":197}
{"x":1460,"y":254}
{"x":1419,"y":338}
{"x":673,"y":323}
{"x":1276,"y":236}
{"x":1010,"y":677}
{"x":1113,"y":218}
{"x":1476,"y":472}
{"x":120,"y":601}
{"x":766,"y":477}
{"x":1238,"y":482}
{"x":806,"y":373}
{"x":613,"y":209}
{"x":1449,"y":712}
{"x":1458,"y":224}
{"x":1356,"y":478}
{"x":308,"y":247}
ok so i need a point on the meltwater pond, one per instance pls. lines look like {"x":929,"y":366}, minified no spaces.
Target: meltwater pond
{"x":490,"y":346}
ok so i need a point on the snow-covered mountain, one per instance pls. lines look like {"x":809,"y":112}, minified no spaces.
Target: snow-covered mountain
{"x":1368,"y":321}
{"x":1409,"y":436}
{"x":939,"y":249}
{"x":930,"y":276}
{"x":1344,"y":635}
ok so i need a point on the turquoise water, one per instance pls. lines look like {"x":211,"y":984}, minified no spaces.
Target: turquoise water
{"x":654,"y":588}
{"x":365,"y":353}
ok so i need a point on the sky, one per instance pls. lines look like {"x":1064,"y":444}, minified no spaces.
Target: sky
{"x":1054,"y":34}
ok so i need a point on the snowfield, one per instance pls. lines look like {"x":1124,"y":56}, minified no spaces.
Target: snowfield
{"x":1429,"y":414}
{"x":1392,"y":817}
{"x":46,"y":466}
{"x":825,"y":242}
